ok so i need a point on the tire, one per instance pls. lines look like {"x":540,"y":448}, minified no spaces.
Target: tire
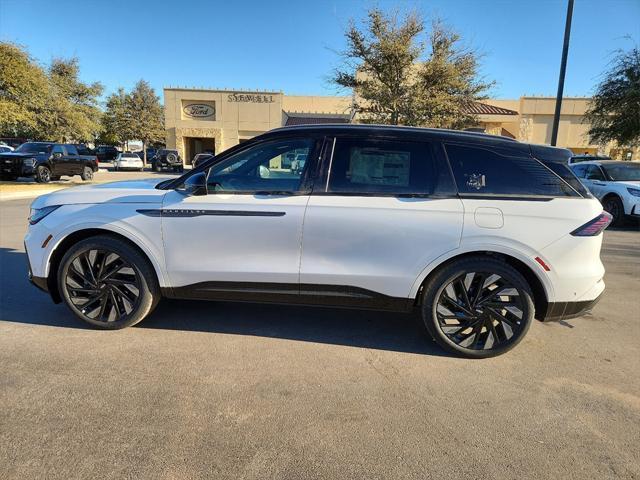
{"x":87,"y":174}
{"x":156,"y":167}
{"x":614,"y":206}
{"x":43,"y":174}
{"x":89,"y":276}
{"x":454,"y":290}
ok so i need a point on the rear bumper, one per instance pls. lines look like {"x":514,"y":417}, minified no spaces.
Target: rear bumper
{"x":557,"y":311}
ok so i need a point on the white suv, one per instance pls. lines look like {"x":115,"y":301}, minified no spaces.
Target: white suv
{"x":615,"y":183}
{"x":480,"y":234}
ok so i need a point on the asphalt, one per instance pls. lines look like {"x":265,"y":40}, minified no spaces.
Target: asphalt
{"x":217,"y":390}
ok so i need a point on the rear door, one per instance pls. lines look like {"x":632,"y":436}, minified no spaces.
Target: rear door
{"x":381,"y":211}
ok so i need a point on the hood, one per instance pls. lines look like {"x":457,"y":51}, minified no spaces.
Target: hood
{"x":17,"y":155}
{"x":630,"y":183}
{"x":129,"y":191}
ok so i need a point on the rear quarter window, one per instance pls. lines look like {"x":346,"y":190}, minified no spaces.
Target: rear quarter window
{"x":480,"y":170}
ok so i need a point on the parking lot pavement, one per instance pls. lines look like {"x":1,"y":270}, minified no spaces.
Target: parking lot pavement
{"x":219,"y":390}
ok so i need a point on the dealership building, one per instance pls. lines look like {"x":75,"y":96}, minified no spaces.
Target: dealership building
{"x":199,"y":120}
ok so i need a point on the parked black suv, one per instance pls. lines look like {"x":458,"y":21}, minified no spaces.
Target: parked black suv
{"x":46,"y":161}
{"x":106,"y":153}
{"x":166,"y":159}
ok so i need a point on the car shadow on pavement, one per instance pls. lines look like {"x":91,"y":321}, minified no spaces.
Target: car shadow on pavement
{"x":21,"y":302}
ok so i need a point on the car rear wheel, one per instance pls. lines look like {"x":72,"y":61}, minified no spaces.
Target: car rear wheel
{"x":614,"y":206}
{"x":87,"y":174}
{"x":477,"y":307}
{"x":108,"y":283}
{"x":43,"y":174}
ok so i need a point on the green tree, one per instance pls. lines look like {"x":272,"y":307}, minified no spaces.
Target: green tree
{"x":72,"y":110}
{"x":614,"y":113}
{"x":24,"y":90}
{"x":397,"y":80}
{"x":146,"y":115}
{"x":116,"y":126}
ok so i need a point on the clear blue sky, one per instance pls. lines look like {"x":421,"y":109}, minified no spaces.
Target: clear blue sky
{"x":289,"y":45}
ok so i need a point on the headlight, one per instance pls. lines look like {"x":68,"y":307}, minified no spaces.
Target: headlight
{"x":29,"y":162}
{"x":634,"y":191}
{"x":38,"y":214}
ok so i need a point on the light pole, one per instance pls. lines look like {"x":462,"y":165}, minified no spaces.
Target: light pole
{"x":563,"y":68}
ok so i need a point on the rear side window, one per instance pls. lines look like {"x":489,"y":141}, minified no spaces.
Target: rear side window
{"x":386,"y":167}
{"x":495,"y":171}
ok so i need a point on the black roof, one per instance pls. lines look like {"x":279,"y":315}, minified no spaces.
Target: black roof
{"x":391,"y":130}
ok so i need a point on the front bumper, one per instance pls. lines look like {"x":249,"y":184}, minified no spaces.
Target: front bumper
{"x":17,"y":169}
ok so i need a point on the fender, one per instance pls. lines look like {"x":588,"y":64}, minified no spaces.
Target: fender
{"x":155,"y":255}
{"x":482,"y":248}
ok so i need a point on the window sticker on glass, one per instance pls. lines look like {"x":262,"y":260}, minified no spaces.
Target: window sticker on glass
{"x":379,"y":167}
{"x":476,"y":181}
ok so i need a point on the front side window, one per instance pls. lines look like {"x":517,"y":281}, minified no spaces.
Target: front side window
{"x":580,"y":171}
{"x":481,"y":170}
{"x":57,"y":149}
{"x":385,"y":167}
{"x":262,"y":168}
{"x":595,"y":173}
{"x":71,"y":150}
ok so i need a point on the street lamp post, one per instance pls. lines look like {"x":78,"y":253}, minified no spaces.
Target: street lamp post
{"x":563,"y":68}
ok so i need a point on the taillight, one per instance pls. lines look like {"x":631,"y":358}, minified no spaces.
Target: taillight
{"x":593,"y":227}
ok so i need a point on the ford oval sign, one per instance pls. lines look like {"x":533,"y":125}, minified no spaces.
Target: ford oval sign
{"x":199,"y":110}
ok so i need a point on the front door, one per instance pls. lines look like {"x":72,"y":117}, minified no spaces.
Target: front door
{"x":60,"y":164}
{"x":242,"y":240}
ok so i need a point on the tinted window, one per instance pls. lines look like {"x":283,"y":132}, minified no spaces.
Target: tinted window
{"x":497,"y":171}
{"x":260,"y":168}
{"x":390,"y":167}
{"x":71,"y":150}
{"x":57,"y":149}
{"x":623,"y":172}
{"x":33,"y":147}
{"x":594,"y":173}
{"x":580,"y":171}
{"x":129,"y":155}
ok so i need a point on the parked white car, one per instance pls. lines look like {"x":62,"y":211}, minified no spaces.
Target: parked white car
{"x":128,"y":161}
{"x":480,"y":234}
{"x":4,"y":148}
{"x":615,"y":183}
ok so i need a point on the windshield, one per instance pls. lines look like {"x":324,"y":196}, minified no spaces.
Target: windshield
{"x":129,"y":155}
{"x":623,"y":172}
{"x":33,"y":147}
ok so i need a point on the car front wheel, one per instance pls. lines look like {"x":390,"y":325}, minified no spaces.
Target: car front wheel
{"x":108,"y":283}
{"x":477,"y":307}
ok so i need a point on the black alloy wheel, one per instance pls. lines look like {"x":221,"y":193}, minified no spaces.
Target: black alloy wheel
{"x":614,"y":206}
{"x":87,"y":174}
{"x":478,"y":307}
{"x":108,"y":283}
{"x":43,"y":174}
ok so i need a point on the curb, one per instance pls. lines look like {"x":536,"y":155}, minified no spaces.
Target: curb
{"x":21,"y":195}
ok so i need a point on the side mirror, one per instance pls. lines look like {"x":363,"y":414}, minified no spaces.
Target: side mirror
{"x":57,"y":155}
{"x":195,"y":185}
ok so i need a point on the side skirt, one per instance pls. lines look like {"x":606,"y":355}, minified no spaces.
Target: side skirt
{"x":291,"y":293}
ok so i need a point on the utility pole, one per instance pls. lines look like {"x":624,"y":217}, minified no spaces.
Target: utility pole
{"x":563,"y":69}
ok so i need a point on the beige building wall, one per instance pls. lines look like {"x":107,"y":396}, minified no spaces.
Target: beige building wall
{"x":240,"y":115}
